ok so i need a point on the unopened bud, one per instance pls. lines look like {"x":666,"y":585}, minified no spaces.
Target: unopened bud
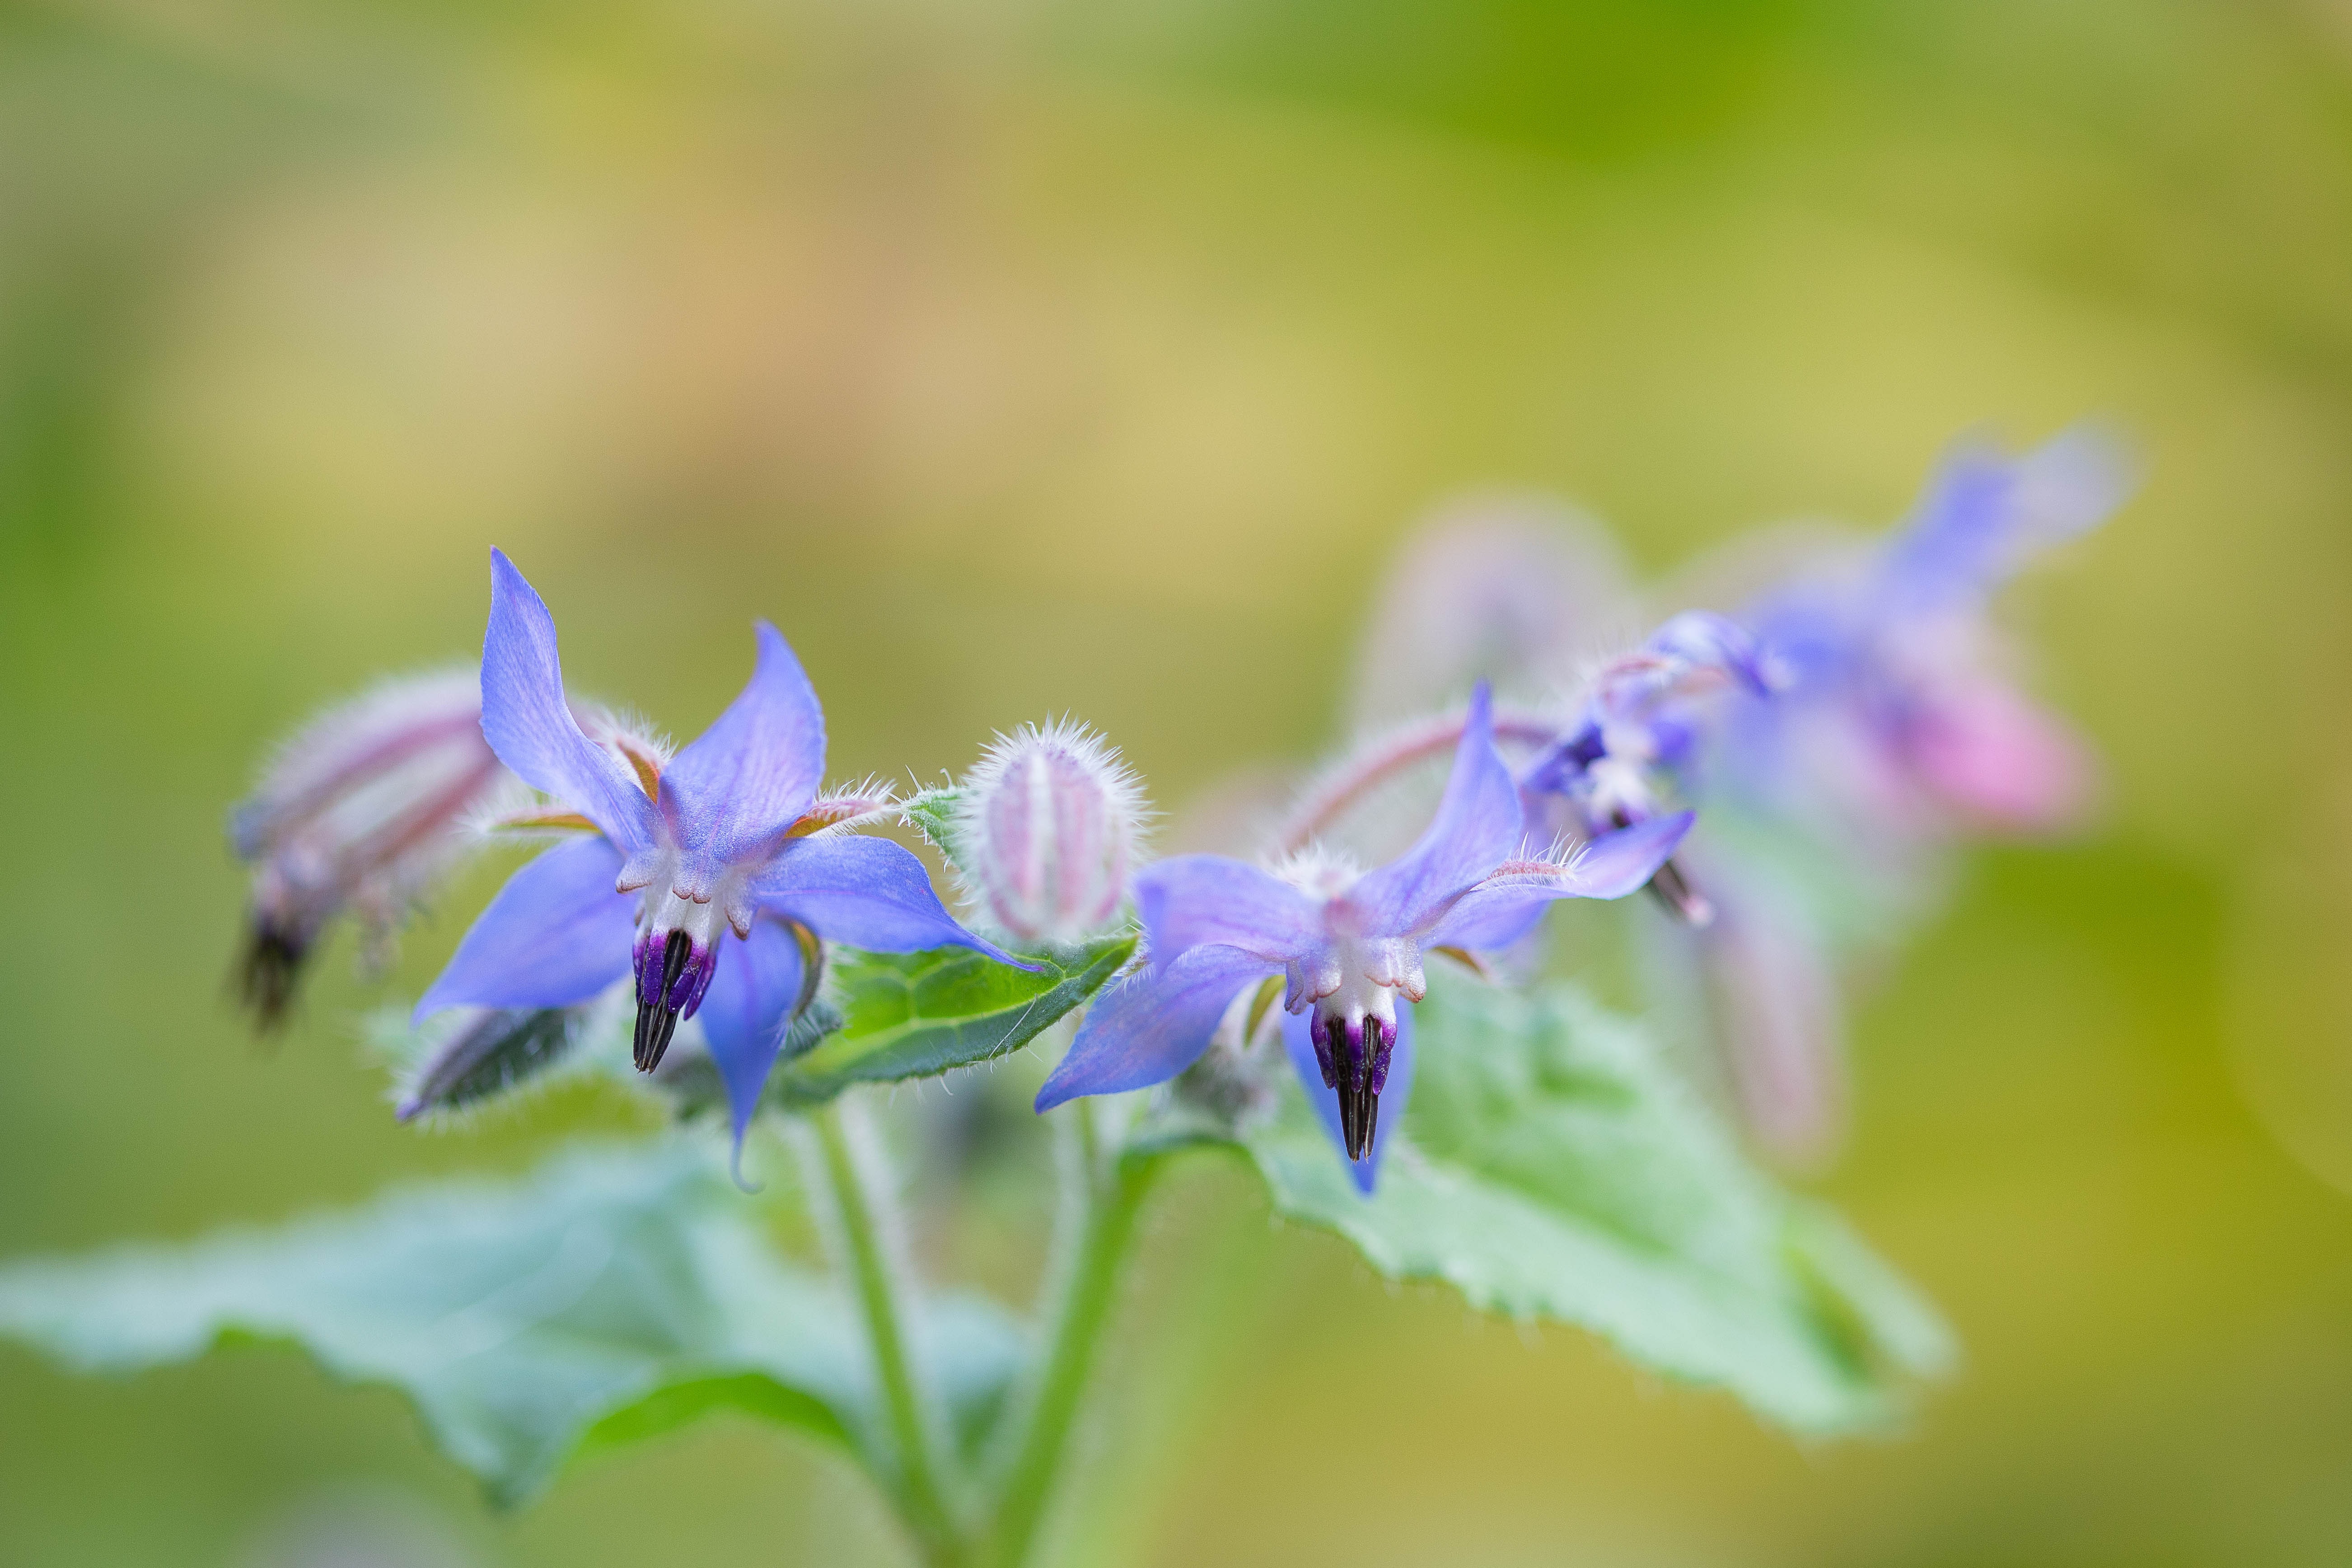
{"x":1048,"y":827}
{"x":364,"y":809}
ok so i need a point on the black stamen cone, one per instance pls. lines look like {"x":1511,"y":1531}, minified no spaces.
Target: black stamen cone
{"x":657,"y":1020}
{"x":1359,"y":1106}
{"x":266,"y":972}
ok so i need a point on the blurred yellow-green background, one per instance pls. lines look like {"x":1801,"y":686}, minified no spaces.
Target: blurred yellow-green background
{"x":1041,"y":357}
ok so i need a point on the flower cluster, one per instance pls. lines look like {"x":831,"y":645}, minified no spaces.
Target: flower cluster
{"x":1855,"y":708}
{"x":1855,"y":712}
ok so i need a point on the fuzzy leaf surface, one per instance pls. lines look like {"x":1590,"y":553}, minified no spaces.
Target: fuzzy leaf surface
{"x":915,"y":1014}
{"x":1551,"y":1167}
{"x":613,"y":1296}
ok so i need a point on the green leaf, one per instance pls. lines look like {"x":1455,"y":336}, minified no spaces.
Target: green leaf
{"x":916,"y":1013}
{"x":613,"y":1296}
{"x":1549,"y":1166}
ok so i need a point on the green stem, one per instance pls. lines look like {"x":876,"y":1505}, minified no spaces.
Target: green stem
{"x":1101,"y":1206}
{"x":867,"y":1226}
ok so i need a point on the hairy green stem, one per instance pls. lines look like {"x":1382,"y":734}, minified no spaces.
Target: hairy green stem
{"x":1101,"y":1196}
{"x":865,"y":1216}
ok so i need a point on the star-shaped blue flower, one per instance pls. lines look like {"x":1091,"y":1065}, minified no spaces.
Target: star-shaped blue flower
{"x":720,"y":839}
{"x":1349,"y":946}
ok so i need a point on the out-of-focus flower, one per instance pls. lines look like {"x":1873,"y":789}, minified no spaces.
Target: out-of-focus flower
{"x":1048,"y":823}
{"x":728,"y":835}
{"x":1902,"y":726}
{"x":1516,"y":590}
{"x":1889,"y":725}
{"x":1640,"y":726}
{"x":364,"y":809}
{"x":1349,"y":945}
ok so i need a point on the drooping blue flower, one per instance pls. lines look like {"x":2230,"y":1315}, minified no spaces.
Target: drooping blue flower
{"x":720,"y":839}
{"x":1350,"y":946}
{"x":1638,"y":734}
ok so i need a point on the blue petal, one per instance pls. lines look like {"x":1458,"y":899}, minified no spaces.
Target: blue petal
{"x":530,"y":725}
{"x":1154,"y":1025}
{"x":1478,"y":824}
{"x":1197,"y":899}
{"x":1500,"y":911}
{"x":733,"y":792}
{"x":745,"y":1012}
{"x":867,"y":892}
{"x":556,"y":934}
{"x":1297,"y":1039}
{"x":1958,"y":541}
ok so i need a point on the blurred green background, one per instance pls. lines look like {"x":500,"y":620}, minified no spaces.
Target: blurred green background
{"x":1026,"y":358}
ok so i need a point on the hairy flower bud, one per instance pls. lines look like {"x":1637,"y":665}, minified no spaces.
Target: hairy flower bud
{"x":363,"y":809}
{"x":488,"y":1053}
{"x":1049,"y":824}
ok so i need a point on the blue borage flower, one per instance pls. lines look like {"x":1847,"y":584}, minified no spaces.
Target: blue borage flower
{"x":727,"y":835}
{"x":1349,"y":946}
{"x":1640,"y":726}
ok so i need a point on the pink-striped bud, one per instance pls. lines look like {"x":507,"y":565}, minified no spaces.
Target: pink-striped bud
{"x":364,"y":809}
{"x":1049,"y":824}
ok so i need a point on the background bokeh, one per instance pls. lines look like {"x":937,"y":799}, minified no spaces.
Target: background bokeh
{"x":1043,"y":357}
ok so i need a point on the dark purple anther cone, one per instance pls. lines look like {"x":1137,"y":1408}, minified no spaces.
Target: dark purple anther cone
{"x":267,"y":969}
{"x":657,"y":1019}
{"x":1356,"y":1064}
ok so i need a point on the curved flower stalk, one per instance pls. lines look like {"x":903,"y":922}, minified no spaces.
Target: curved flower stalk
{"x":1349,"y":946}
{"x":726,"y":838}
{"x":363,"y":810}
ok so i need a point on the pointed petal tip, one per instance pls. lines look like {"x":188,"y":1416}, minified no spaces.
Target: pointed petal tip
{"x":735,"y":1166}
{"x":989,"y":949}
{"x":1364,"y":1173}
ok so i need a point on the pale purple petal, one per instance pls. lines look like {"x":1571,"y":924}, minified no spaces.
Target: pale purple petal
{"x":866,"y":892}
{"x":746,"y":1011}
{"x":1703,"y":637}
{"x":1500,"y":909}
{"x":1298,"y":1040}
{"x":1153,"y":1024}
{"x":1197,"y":899}
{"x":1478,"y":824}
{"x":733,"y":793}
{"x":556,"y":934}
{"x":530,"y":725}
{"x":1999,"y":759}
